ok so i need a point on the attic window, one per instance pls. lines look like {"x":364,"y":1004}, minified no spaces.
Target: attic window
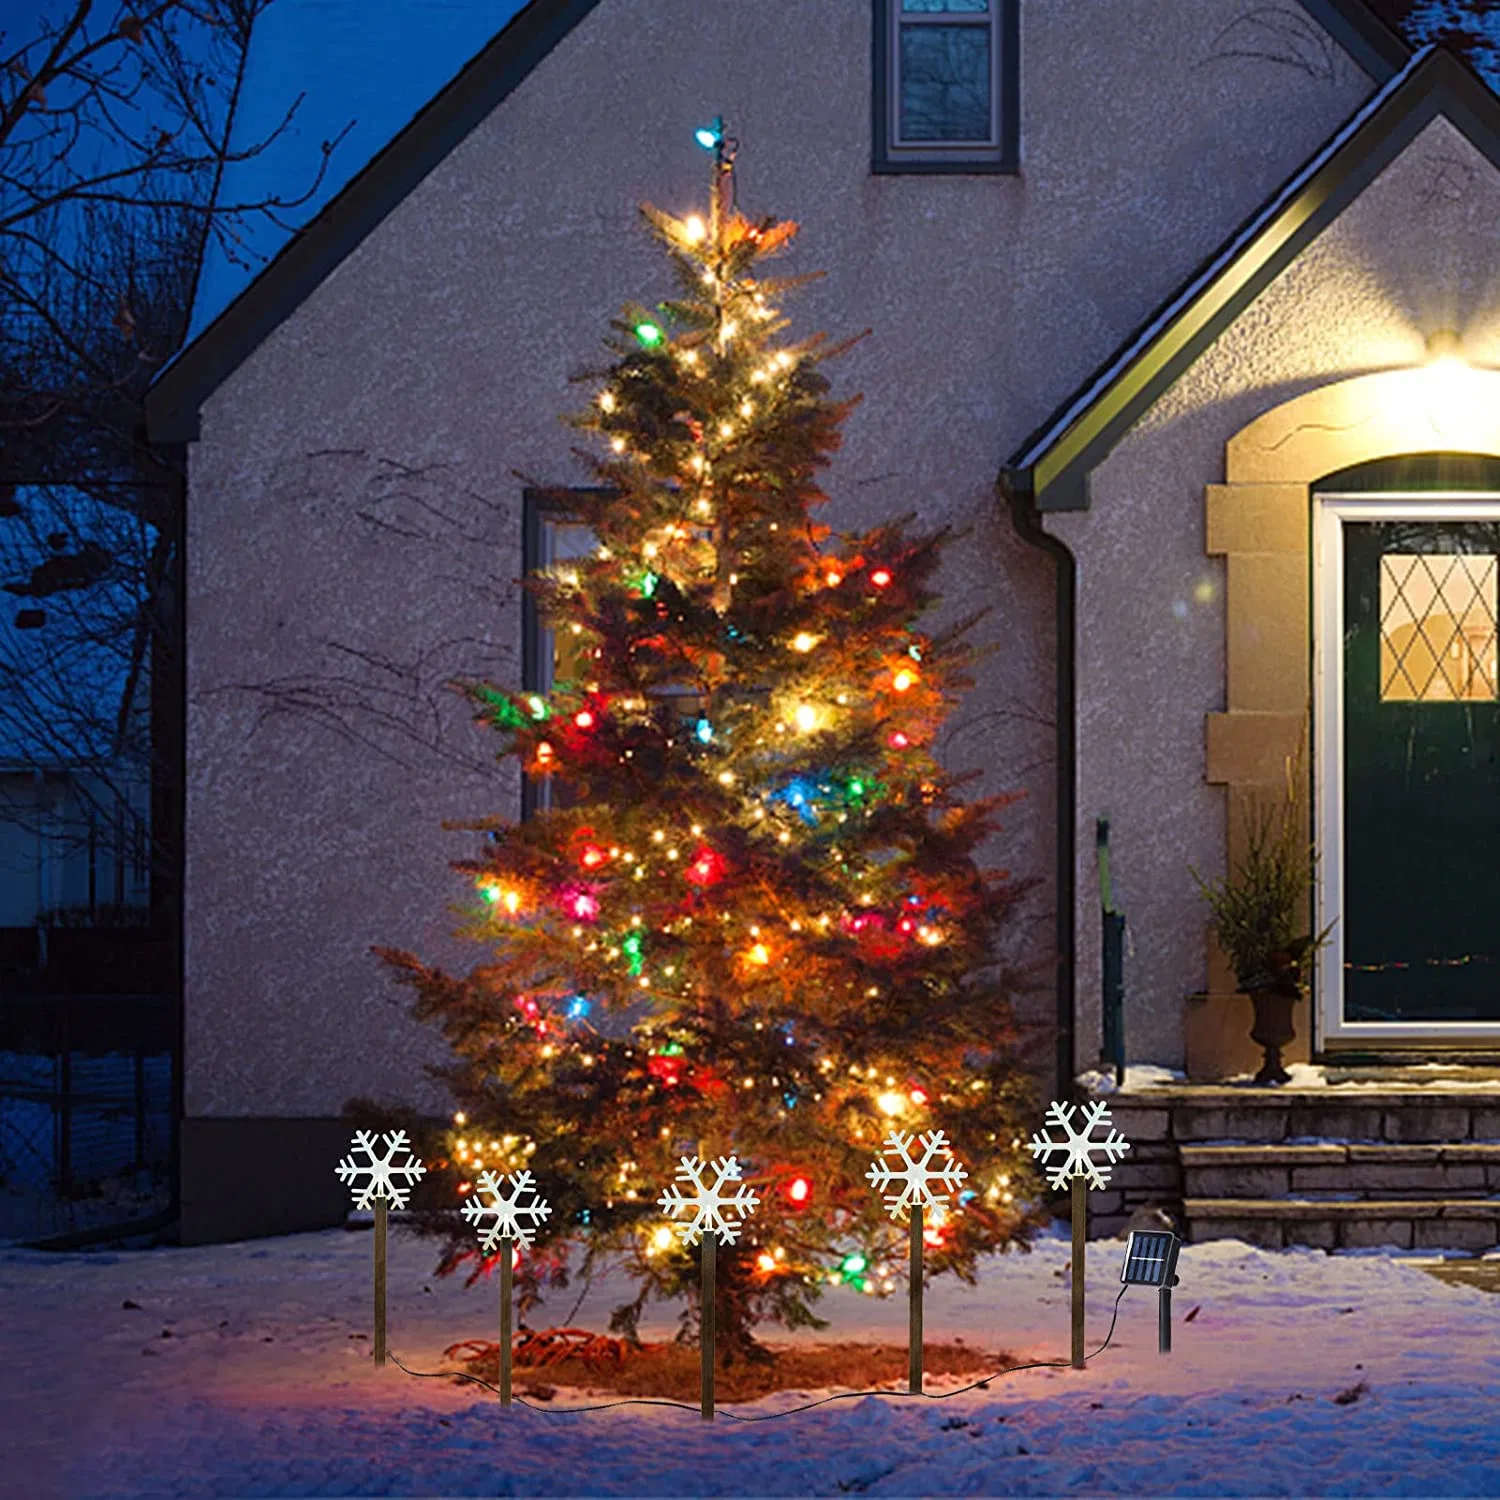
{"x":945,"y":85}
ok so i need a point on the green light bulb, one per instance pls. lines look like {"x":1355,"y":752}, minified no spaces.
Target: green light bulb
{"x":649,"y":334}
{"x":630,"y":945}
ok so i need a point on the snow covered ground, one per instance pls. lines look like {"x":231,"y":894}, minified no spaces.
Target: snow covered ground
{"x":242,"y":1371}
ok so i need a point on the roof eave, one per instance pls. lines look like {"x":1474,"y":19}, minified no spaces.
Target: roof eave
{"x":1087,"y":428}
{"x":1372,"y":44}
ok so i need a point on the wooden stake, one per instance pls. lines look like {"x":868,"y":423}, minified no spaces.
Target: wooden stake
{"x":1080,"y":1230}
{"x":706,"y":1319}
{"x":506,"y":1272}
{"x":380,"y":1281}
{"x":914,"y":1330}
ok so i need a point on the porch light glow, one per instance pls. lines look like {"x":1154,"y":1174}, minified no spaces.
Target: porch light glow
{"x":1457,"y":396}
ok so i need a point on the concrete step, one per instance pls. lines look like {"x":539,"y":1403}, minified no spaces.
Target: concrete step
{"x":1198,"y":1114}
{"x":1408,"y":1223}
{"x":1363,"y":1169}
{"x":1398,"y":1142}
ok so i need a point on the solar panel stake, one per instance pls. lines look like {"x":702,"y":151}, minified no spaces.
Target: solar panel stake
{"x":1151,"y":1260}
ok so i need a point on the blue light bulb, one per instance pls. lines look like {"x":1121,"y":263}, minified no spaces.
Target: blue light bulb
{"x":705,"y":732}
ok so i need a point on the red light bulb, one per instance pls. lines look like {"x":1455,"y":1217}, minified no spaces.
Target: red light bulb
{"x":799,"y":1190}
{"x":584,"y":719}
{"x":881,"y":577}
{"x":707,"y":866}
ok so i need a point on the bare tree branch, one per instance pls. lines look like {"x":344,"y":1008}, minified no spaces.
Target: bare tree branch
{"x":116,"y":122}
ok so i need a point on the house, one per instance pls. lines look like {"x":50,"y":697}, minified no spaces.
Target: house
{"x":1185,"y":308}
{"x":75,"y":776}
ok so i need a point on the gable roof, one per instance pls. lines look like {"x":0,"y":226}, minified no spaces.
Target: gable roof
{"x":202,"y":365}
{"x":1051,"y":468}
{"x":324,"y":85}
{"x":210,"y":357}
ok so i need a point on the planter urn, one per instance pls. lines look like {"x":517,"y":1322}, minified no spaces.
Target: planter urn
{"x":1272,"y":1030}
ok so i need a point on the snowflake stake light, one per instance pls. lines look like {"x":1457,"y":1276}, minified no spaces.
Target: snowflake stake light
{"x":381,"y":1170}
{"x":915,"y":1174}
{"x":709,"y":1202}
{"x":489,"y":1201}
{"x":1078,"y":1146}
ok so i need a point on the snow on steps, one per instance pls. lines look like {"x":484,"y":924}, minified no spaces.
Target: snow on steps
{"x":1404,"y":1157}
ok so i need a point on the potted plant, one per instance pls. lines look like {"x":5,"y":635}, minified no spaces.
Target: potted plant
{"x":1260,"y":915}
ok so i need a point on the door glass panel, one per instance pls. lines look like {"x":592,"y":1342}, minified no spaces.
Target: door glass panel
{"x":1437,"y":627}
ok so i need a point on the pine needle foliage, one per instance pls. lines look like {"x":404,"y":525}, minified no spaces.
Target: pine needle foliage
{"x":1261,"y":911}
{"x":753,"y":919}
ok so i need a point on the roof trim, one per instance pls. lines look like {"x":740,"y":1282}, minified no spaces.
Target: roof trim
{"x":1372,"y":44}
{"x":174,"y":400}
{"x":1053,"y":465}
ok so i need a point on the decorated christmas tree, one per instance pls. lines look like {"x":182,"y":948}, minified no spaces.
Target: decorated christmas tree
{"x":751,"y":917}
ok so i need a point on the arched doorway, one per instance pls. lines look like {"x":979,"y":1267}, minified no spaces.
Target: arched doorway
{"x":1380,"y":497}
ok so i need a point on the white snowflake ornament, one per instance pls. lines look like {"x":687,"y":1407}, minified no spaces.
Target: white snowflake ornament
{"x":915,"y":1174}
{"x":1078,"y":1146}
{"x":709,"y":1202}
{"x":489,"y":1202}
{"x":381,"y":1170}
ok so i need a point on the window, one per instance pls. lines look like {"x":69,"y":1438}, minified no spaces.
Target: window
{"x":946,"y":74}
{"x":550,"y":535}
{"x":1437,"y":627}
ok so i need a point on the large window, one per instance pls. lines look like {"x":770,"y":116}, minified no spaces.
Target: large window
{"x":946,"y":74}
{"x":551,"y":535}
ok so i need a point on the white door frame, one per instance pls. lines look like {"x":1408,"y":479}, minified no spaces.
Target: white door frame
{"x":1330,"y":511}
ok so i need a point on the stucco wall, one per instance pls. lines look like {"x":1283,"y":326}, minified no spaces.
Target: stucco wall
{"x":443,"y":344}
{"x":1419,"y":251}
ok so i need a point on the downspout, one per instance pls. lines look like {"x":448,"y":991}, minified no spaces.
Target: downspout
{"x":1015,"y":485}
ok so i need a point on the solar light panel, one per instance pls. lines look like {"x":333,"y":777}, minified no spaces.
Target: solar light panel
{"x":1150,"y":1258}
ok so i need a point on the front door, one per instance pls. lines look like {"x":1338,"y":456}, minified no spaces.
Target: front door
{"x":1409,"y":761}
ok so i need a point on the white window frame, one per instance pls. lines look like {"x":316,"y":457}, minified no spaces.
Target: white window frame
{"x":1330,"y":513}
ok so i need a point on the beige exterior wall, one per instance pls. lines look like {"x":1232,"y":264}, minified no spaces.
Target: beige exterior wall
{"x":354,"y":486}
{"x":1184,"y":699}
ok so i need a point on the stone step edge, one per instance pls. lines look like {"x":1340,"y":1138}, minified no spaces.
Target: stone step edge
{"x":1188,"y":1096}
{"x":1273,"y":1154}
{"x":1362,"y":1208}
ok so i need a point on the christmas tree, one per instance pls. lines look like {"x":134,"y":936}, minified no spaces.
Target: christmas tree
{"x":755,"y":922}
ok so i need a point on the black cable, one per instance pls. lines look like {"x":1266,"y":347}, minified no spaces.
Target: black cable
{"x":770,"y":1416}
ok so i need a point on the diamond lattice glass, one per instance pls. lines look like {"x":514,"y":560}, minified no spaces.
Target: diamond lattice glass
{"x":1437,"y":627}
